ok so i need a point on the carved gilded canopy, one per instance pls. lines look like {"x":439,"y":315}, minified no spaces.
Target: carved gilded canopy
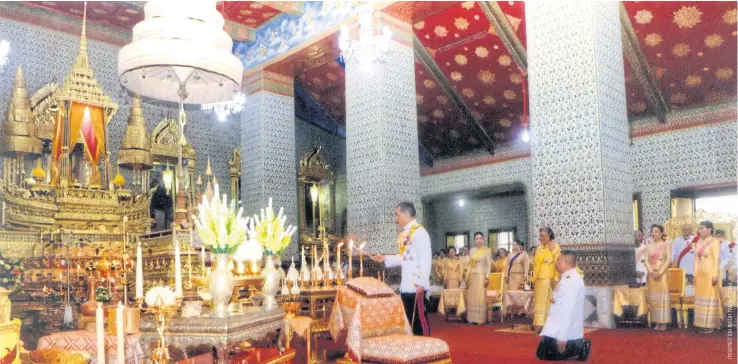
{"x":165,"y":142}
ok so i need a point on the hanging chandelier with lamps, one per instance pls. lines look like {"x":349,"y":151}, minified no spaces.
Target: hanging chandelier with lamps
{"x":368,"y":47}
{"x":180,"y":53}
{"x":4,"y":51}
{"x":224,"y":108}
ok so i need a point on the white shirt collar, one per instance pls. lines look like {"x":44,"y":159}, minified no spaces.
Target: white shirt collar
{"x":410,"y":224}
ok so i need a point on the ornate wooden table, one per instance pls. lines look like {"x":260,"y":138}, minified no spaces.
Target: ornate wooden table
{"x":221,"y":333}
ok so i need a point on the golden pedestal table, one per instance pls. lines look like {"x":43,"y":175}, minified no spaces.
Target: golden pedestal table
{"x":317,"y":302}
{"x":221,"y":333}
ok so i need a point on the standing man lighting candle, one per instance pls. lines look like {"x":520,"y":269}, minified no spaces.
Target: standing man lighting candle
{"x":415,"y":260}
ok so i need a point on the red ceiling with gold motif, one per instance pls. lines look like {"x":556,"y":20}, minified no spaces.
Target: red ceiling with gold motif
{"x":691,"y":49}
{"x":689,"y":46}
{"x":119,"y":14}
{"x":126,"y":14}
{"x":249,"y":13}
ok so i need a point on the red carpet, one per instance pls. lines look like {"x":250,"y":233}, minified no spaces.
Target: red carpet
{"x":482,"y":344}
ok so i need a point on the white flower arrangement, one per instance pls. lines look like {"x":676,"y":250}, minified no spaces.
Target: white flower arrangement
{"x":160,"y":296}
{"x":269,"y":230}
{"x":219,"y":225}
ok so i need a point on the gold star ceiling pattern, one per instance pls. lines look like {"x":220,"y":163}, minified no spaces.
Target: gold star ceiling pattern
{"x":691,"y":49}
{"x":126,"y":14}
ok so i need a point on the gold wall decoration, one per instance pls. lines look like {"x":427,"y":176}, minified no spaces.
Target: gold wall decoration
{"x":314,"y":173}
{"x":234,"y":169}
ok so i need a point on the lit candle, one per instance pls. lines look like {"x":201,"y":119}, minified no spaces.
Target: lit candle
{"x":351,"y":259}
{"x":338,"y":256}
{"x":100,"y":333}
{"x":177,"y":269}
{"x":119,"y":321}
{"x":361,"y":259}
{"x":139,"y":273}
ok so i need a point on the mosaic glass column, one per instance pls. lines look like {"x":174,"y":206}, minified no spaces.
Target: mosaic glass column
{"x":268,"y":147}
{"x":580,"y":150}
{"x":382,"y":141}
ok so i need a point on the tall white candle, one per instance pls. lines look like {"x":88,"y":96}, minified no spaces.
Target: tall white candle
{"x":177,"y":270}
{"x":350,"y":258}
{"x":119,"y":322}
{"x":139,"y":272}
{"x":100,"y":333}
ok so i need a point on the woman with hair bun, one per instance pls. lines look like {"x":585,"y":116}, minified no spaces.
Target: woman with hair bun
{"x":545,"y":275}
{"x":707,"y":306}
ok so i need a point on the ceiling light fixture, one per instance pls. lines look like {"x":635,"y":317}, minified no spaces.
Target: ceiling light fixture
{"x":461,"y":202}
{"x":4,"y":51}
{"x":369,"y":47}
{"x":225,"y":108}
{"x":525,"y":135}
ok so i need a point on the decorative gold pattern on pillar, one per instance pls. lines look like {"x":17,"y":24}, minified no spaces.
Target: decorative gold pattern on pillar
{"x":234,"y":169}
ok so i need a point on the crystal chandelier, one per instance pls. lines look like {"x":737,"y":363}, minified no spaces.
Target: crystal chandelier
{"x":225,"y":108}
{"x":369,"y":47}
{"x":4,"y":51}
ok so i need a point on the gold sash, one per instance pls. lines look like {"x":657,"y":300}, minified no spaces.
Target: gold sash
{"x":476,"y":256}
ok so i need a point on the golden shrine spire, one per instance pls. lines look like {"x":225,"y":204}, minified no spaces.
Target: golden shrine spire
{"x":81,"y":86}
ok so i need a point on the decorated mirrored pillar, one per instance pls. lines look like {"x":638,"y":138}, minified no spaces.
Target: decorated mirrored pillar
{"x":268,"y":147}
{"x":381,"y":140}
{"x":579,"y":140}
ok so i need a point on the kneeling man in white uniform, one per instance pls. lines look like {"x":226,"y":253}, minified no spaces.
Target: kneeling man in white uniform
{"x":562,"y":337}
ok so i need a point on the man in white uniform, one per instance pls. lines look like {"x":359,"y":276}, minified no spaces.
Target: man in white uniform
{"x":640,"y":253}
{"x":562,"y":337}
{"x":727,"y":256}
{"x":415,"y":261}
{"x":682,"y":255}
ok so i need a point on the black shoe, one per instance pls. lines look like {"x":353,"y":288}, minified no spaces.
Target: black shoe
{"x":586,"y":346}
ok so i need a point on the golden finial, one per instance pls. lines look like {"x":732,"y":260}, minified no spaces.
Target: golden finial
{"x":215,"y":180}
{"x":208,"y":170}
{"x":83,"y":37}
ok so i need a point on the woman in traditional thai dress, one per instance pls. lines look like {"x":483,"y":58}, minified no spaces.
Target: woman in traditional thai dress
{"x":545,"y":275}
{"x":451,"y":270}
{"x":707,"y":305}
{"x":500,"y":264}
{"x":517,"y":267}
{"x":658,"y":259}
{"x":477,"y":276}
{"x":437,"y":266}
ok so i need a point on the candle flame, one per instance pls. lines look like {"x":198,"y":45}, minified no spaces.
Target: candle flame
{"x":361,"y":246}
{"x":339,"y":245}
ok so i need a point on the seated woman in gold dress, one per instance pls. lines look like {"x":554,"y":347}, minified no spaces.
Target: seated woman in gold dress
{"x":658,"y":258}
{"x":452,"y":270}
{"x":500,"y":264}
